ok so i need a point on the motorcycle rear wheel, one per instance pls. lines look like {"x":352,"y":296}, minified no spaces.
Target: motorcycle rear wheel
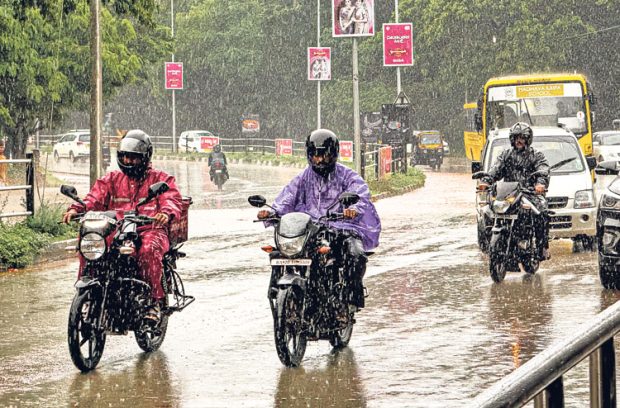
{"x":340,"y":339}
{"x":497,"y":268}
{"x":86,"y":343}
{"x":288,"y":331}
{"x":151,"y":339}
{"x":531,"y":265}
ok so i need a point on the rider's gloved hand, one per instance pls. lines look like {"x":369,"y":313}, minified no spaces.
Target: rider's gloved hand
{"x":160,"y":219}
{"x":483,"y":186}
{"x":539,"y":188}
{"x":66,"y":217}
{"x":349,"y":213}
{"x":262,"y":214}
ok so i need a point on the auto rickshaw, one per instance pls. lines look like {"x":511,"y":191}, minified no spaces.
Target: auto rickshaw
{"x":428,"y":148}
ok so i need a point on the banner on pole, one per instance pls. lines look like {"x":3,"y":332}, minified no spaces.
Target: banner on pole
{"x":397,"y":44}
{"x":208,"y":142}
{"x":346,"y":150}
{"x":319,"y":64}
{"x":174,"y":75}
{"x":353,"y":18}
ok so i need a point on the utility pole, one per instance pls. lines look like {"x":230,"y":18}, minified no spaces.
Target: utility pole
{"x":174,"y":109}
{"x":357,"y":140}
{"x":96,"y":92}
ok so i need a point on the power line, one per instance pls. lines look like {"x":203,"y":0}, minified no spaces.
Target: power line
{"x":593,"y":32}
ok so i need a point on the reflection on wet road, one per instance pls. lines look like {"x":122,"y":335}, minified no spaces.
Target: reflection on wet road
{"x":436,"y":331}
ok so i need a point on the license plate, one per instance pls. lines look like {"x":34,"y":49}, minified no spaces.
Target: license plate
{"x":218,"y":171}
{"x":507,"y":217}
{"x":287,"y":262}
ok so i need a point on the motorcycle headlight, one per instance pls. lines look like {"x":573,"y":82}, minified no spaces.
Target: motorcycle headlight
{"x":584,"y":199}
{"x":501,"y":206}
{"x":291,"y":246}
{"x":609,"y":202}
{"x":92,"y":246}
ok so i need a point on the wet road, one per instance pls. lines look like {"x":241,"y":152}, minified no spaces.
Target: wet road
{"x":436,"y":331}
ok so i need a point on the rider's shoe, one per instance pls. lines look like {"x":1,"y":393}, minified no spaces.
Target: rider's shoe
{"x":153,"y":315}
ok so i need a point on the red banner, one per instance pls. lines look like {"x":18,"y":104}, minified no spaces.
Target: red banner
{"x":284,"y":147}
{"x":319,"y":64}
{"x":207,"y":142}
{"x":385,"y":161}
{"x":174,"y":75}
{"x":397,"y":44}
{"x":346,"y":150}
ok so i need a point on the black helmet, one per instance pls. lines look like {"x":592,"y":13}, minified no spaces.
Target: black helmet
{"x":323,"y":142}
{"x":217,"y":148}
{"x":138,"y":144}
{"x":521,"y":129}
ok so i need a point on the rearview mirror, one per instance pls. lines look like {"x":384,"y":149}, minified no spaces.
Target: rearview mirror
{"x":591,"y":162}
{"x":607,"y":167}
{"x":155,"y":190}
{"x":71,"y":192}
{"x":257,"y":201}
{"x":348,"y":199}
{"x":476,"y":166}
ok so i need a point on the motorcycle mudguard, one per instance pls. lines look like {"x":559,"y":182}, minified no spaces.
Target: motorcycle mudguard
{"x":87,"y":282}
{"x":496,"y":236}
{"x":291,"y":279}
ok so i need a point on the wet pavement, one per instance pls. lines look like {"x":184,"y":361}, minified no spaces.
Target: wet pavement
{"x":436,"y":330}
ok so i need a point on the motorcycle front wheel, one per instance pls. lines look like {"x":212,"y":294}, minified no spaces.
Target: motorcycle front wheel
{"x":530,"y":265}
{"x":497,"y":267}
{"x":86,"y":339}
{"x":288,"y":331}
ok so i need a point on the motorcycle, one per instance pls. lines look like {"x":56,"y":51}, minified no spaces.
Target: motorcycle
{"x":308,"y":291}
{"x":218,"y":172}
{"x":111,"y":296}
{"x":512,"y":244}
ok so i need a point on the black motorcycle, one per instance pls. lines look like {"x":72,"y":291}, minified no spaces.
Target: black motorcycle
{"x":111,"y":296}
{"x":219,"y":173}
{"x":512,"y":243}
{"x":308,"y":291}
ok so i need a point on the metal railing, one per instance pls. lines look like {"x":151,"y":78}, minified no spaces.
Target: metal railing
{"x":540,"y":378}
{"x":28,"y":187}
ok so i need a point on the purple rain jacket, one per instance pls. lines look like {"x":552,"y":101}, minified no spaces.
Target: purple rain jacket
{"x":312,"y":194}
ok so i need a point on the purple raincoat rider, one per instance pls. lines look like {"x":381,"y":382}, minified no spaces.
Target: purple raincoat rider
{"x":316,"y":188}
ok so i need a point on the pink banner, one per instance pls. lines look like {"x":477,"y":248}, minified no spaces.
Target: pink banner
{"x":397,"y":44}
{"x":385,"y":161}
{"x":284,"y":147}
{"x":319,"y":64}
{"x":353,"y":18}
{"x":174,"y":75}
{"x":346,"y":150}
{"x":207,"y":142}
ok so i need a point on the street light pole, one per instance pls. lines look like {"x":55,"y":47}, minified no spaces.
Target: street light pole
{"x":318,"y":83}
{"x":96,"y":92}
{"x":174,"y":112}
{"x":357,"y":140}
{"x":398,"y":87}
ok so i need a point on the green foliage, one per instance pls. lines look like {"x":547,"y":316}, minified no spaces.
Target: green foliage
{"x":19,"y":245}
{"x":46,"y":221}
{"x":396,"y":183}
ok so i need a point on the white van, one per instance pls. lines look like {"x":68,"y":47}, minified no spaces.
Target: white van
{"x":571,"y":194}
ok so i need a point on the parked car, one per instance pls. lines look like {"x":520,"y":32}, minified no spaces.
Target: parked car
{"x":570,"y":194}
{"x":75,"y":145}
{"x":606,"y":145}
{"x":192,"y":141}
{"x":608,"y":228}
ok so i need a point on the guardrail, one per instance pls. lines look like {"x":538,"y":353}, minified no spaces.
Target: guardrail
{"x":540,"y":378}
{"x":28,"y":188}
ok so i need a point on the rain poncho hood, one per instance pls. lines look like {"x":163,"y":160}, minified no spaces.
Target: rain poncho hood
{"x":312,"y":194}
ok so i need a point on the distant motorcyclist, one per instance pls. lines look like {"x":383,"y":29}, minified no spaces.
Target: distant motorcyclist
{"x":217,"y":155}
{"x":518,"y":164}
{"x":315,"y":189}
{"x":120,"y":190}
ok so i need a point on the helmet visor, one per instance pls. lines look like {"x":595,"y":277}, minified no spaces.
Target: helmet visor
{"x":131,"y":145}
